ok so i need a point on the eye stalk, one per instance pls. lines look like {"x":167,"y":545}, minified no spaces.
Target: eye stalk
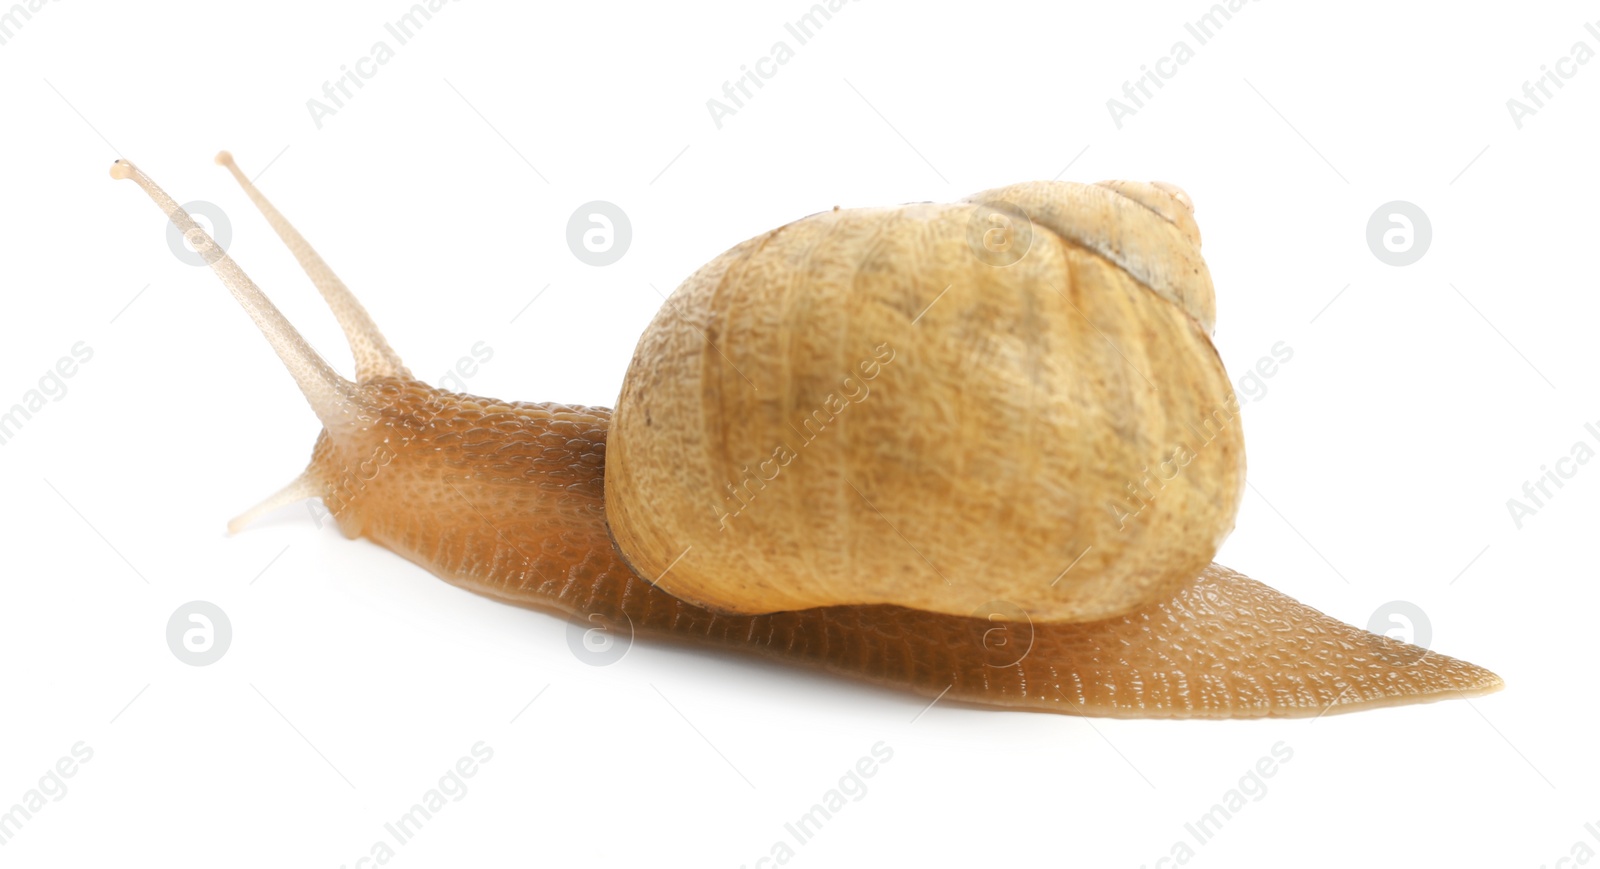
{"x":374,"y":357}
{"x":329,"y":394}
{"x":337,"y":402}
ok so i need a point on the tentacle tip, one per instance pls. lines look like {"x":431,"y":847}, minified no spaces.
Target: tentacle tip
{"x":300,"y":488}
{"x":121,"y":169}
{"x":224,"y":158}
{"x":244,"y":520}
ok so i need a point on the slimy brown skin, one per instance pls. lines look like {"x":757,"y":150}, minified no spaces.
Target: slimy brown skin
{"x":507,"y":499}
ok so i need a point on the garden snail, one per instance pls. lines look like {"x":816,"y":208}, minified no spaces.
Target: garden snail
{"x":983,"y":450}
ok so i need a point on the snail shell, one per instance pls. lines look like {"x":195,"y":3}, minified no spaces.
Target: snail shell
{"x":1012,"y":397}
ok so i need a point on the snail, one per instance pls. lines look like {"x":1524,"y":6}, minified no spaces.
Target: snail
{"x":981,"y":450}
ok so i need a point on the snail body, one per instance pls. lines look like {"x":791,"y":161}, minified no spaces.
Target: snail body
{"x":548,"y":505}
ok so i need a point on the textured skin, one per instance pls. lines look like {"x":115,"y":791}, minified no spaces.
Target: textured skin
{"x":507,"y":499}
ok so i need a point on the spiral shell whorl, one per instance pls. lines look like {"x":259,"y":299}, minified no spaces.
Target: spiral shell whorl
{"x":874,"y":406}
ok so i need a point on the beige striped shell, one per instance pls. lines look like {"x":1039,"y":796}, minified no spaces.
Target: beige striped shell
{"x":1013,"y":398}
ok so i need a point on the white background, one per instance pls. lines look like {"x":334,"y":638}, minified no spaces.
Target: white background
{"x":1381,"y":456}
